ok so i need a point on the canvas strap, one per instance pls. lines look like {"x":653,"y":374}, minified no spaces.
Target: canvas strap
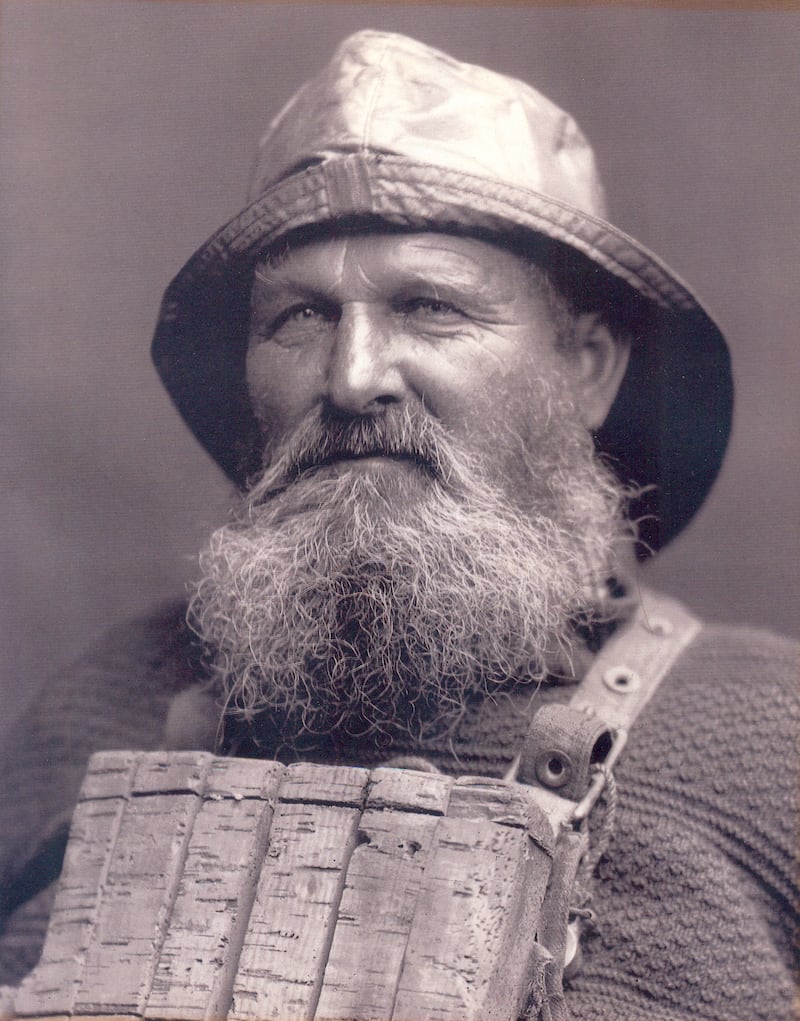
{"x":566,"y":742}
{"x":628,"y":670}
{"x":567,"y":759}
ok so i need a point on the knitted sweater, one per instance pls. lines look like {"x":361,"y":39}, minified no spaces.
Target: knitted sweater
{"x":697,"y":899}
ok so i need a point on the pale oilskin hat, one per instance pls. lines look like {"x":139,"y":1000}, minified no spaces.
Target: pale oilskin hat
{"x":394,"y":131}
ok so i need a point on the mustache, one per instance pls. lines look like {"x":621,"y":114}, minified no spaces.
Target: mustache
{"x":325,"y":437}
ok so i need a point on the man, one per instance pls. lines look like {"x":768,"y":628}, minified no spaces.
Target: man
{"x":459,"y":404}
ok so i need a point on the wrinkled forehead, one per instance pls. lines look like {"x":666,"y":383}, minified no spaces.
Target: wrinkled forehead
{"x":357,"y":263}
{"x":373,"y":230}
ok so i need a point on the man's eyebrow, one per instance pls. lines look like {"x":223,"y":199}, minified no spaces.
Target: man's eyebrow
{"x":275,"y":278}
{"x":465,"y":287}
{"x":275,"y":256}
{"x":270,"y":264}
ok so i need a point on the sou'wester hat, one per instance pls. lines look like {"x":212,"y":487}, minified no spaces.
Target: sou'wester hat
{"x":394,"y":131}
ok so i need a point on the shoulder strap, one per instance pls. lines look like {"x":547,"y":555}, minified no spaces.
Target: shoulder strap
{"x":565,"y":743}
{"x":567,"y":760}
{"x":628,"y":669}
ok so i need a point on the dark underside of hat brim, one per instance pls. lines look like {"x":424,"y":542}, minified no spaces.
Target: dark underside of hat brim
{"x":668,"y":429}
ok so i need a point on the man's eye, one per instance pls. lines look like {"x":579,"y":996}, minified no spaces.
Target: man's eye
{"x":298,"y":324}
{"x":433,"y":308}
{"x":298,"y":314}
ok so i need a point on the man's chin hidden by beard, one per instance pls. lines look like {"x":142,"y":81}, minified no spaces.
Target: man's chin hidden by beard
{"x":376,"y":581}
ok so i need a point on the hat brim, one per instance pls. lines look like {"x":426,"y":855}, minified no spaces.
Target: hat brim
{"x":669,"y":426}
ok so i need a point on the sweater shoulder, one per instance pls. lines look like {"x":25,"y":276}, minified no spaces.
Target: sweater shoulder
{"x":741,"y":667}
{"x":134,"y":665}
{"x":156,"y":648}
{"x":729,"y":706}
{"x":114,"y":696}
{"x":746,"y":643}
{"x":698,"y":888}
{"x":716,"y":749}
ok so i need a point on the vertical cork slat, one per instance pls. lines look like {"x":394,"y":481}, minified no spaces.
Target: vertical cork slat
{"x":465,"y":927}
{"x":51,"y":986}
{"x":141,"y":883}
{"x":291,"y":924}
{"x":200,"y":954}
{"x":375,"y":915}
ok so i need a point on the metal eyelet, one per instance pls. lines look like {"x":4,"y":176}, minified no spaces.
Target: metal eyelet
{"x":622,"y":679}
{"x":553,"y":769}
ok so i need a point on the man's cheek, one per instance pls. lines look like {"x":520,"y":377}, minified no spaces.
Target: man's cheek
{"x":283,"y":386}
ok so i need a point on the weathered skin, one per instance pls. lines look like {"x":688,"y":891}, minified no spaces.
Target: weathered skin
{"x":457,"y":325}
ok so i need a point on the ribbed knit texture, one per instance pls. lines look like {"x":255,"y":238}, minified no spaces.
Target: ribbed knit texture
{"x":697,"y":902}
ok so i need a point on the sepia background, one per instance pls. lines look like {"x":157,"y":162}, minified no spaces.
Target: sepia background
{"x":128,"y":130}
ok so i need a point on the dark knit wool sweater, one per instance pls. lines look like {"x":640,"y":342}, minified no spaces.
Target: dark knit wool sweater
{"x":696,"y":899}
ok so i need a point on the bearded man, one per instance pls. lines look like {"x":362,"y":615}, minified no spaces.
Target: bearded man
{"x":459,"y":405}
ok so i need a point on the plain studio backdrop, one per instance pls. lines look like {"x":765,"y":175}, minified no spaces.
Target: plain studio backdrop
{"x":128,"y":131}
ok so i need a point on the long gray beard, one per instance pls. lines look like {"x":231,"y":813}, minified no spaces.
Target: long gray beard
{"x":355,"y":602}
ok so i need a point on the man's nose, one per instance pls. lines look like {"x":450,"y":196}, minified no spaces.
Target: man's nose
{"x":363,"y":374}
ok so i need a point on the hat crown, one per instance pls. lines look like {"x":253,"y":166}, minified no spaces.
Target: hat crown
{"x":387,"y":93}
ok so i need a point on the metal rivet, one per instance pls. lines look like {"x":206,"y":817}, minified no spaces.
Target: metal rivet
{"x":622,"y":679}
{"x":553,"y":769}
{"x":660,"y":626}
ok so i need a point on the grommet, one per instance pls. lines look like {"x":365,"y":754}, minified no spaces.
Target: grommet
{"x":553,"y":769}
{"x":622,"y":679}
{"x":659,"y":626}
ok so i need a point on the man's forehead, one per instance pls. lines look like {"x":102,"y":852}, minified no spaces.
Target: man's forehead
{"x":383,"y":236}
{"x":396,"y":258}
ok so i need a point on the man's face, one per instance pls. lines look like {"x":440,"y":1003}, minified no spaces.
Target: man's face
{"x":430,"y":514}
{"x":364,"y":325}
